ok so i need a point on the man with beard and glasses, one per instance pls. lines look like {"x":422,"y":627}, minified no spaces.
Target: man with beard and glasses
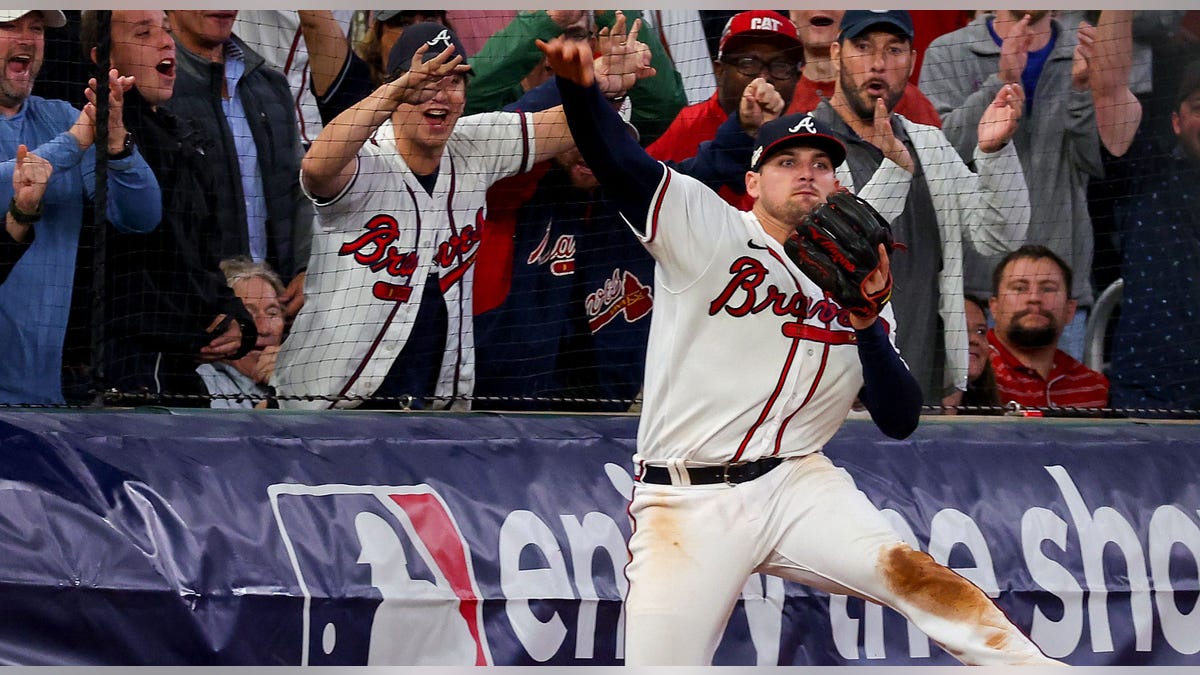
{"x":1031,"y":305}
{"x":911,"y":173}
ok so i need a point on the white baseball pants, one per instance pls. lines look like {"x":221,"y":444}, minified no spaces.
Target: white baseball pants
{"x":694,"y":547}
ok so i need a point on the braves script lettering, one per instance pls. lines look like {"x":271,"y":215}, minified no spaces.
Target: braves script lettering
{"x":745,"y":294}
{"x":374,"y":248}
{"x":456,"y":247}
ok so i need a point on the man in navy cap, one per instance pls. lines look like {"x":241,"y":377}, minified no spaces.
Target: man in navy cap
{"x":399,"y":181}
{"x":751,"y":369}
{"x":936,"y":205}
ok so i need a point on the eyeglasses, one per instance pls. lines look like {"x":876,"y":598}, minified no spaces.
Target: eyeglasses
{"x":752,"y":66}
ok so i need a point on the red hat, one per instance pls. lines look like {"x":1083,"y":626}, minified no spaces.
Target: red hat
{"x":760,"y":23}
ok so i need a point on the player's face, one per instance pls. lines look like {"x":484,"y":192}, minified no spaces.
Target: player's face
{"x":429,"y":124}
{"x":22,"y":45}
{"x":203,"y":29}
{"x":142,"y":47}
{"x":262,"y":302}
{"x":818,"y":28}
{"x":1031,"y":306}
{"x":792,"y":182}
{"x":1186,"y":122}
{"x":872,"y":66}
{"x":977,"y":344}
{"x":746,"y":60}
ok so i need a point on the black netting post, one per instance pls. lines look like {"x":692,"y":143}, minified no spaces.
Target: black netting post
{"x":100,"y":219}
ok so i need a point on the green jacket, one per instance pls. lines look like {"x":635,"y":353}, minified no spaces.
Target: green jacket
{"x":510,"y":53}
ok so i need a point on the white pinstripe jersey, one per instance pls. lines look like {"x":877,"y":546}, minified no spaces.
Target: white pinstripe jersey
{"x":747,"y":358}
{"x":374,"y":246}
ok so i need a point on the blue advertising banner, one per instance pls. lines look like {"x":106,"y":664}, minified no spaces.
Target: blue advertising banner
{"x":355,"y":538}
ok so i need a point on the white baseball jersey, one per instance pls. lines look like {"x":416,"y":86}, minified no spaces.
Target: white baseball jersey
{"x":747,"y":358}
{"x":374,"y":246}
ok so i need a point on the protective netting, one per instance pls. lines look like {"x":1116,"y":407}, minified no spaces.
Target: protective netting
{"x":426,"y":260}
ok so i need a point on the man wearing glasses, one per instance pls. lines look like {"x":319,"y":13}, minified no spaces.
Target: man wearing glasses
{"x":758,"y":43}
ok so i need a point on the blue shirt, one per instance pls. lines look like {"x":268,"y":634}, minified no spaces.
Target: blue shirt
{"x":1034,"y":62}
{"x":247,"y":151}
{"x":36,"y":298}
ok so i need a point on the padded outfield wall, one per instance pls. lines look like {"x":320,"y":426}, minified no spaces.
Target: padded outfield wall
{"x":349,"y":538}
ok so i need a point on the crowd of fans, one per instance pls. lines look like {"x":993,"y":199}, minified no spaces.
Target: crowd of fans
{"x":298,"y":216}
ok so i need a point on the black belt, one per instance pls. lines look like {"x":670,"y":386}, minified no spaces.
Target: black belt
{"x":711,"y":475}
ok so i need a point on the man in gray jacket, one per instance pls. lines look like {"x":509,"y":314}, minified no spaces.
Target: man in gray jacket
{"x":247,"y":110}
{"x":1076,"y":85}
{"x":937,"y":207}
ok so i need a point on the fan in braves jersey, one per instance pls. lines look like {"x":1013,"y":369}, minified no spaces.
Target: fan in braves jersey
{"x":750,"y":370}
{"x":399,"y":182}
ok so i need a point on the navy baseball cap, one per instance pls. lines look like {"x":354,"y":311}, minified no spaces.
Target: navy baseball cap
{"x":855,"y":22}
{"x":795,"y":129}
{"x":436,"y":35}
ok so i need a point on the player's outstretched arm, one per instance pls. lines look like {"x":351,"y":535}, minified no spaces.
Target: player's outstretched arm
{"x":621,"y":61}
{"x":619,"y":163}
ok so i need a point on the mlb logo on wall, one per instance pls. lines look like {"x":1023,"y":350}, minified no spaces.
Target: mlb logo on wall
{"x":385,"y":573}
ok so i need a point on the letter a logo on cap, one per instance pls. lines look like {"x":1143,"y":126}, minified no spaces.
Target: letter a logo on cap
{"x":442,"y":37}
{"x":805,"y":124}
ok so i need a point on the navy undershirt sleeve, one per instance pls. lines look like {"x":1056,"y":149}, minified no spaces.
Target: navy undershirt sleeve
{"x":890,"y":392}
{"x":629,"y":175}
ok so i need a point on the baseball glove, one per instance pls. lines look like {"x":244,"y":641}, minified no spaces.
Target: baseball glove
{"x":836,"y":245}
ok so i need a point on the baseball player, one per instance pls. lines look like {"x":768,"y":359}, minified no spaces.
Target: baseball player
{"x":751,"y":368}
{"x":399,"y":182}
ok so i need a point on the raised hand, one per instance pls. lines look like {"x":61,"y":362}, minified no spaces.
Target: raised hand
{"x":1014,"y":51}
{"x":423,"y":79}
{"x":880,"y":134}
{"x":31,"y":175}
{"x":117,"y":86}
{"x":1110,"y":53}
{"x":570,"y":60}
{"x":1085,"y":51}
{"x":30,"y":178}
{"x":999,"y":121}
{"x":623,"y":59}
{"x":760,"y":103}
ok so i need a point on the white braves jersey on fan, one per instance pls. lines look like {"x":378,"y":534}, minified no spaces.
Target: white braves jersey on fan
{"x":746,"y":358}
{"x":374,"y":246}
